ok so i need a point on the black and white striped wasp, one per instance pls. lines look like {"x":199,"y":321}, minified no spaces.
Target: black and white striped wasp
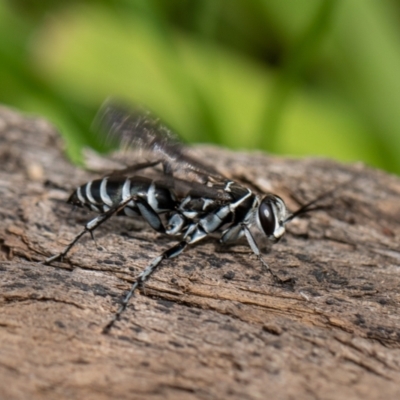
{"x":175,"y":194}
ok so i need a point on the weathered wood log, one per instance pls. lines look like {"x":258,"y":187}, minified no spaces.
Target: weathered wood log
{"x":210,"y":324}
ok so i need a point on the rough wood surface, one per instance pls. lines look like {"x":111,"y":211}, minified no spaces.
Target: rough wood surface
{"x":210,"y":325}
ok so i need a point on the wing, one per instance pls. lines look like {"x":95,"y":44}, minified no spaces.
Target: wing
{"x":139,"y":129}
{"x":183,"y":188}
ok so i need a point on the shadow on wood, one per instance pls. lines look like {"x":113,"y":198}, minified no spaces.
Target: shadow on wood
{"x":210,"y":324}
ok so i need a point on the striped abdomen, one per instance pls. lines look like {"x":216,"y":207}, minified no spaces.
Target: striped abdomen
{"x":102,"y":194}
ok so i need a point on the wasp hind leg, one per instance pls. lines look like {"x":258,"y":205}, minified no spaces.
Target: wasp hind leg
{"x":90,"y":227}
{"x":143,"y":277}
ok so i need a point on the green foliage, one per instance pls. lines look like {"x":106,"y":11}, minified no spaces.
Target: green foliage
{"x":316,"y":77}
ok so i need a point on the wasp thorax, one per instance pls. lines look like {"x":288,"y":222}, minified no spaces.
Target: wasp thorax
{"x":272,"y":213}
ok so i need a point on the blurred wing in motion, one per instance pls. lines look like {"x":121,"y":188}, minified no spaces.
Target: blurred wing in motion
{"x":139,"y":129}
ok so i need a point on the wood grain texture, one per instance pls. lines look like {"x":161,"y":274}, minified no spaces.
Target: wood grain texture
{"x":210,"y":324}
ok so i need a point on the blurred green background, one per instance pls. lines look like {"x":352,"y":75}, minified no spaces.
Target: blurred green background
{"x":309,"y":77}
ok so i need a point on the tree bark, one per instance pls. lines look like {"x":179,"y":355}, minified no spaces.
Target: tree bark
{"x":209,"y":324}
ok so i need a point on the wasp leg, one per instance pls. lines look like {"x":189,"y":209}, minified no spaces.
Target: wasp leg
{"x":143,"y":277}
{"x":256,"y":251}
{"x":90,"y":227}
{"x":150,"y":216}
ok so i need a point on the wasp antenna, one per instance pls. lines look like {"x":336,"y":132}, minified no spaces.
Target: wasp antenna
{"x":306,"y":208}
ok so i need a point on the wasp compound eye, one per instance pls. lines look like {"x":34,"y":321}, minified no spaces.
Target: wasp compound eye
{"x":272,"y":213}
{"x":267,"y":217}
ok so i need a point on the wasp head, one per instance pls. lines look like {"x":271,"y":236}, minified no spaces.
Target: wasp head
{"x":271,"y":217}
